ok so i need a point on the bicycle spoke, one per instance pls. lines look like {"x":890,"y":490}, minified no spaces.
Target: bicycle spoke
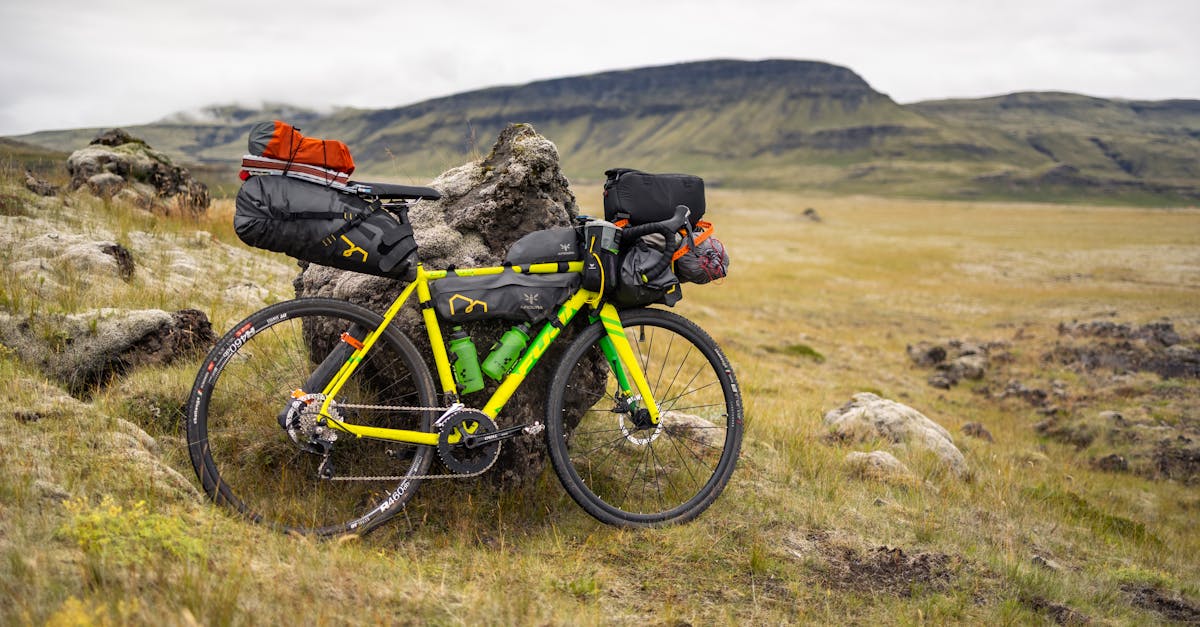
{"x":670,"y":472}
{"x":243,"y":455}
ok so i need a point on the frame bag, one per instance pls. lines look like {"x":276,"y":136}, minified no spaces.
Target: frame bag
{"x":506,"y":296}
{"x":321,"y":225}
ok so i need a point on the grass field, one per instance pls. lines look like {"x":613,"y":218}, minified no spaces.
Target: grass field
{"x":98,"y":526}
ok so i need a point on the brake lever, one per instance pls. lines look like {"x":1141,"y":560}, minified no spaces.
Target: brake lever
{"x":681,"y":219}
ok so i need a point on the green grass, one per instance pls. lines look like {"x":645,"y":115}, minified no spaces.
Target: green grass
{"x":99,"y":526}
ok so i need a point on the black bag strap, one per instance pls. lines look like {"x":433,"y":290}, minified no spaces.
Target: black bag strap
{"x":352,"y":221}
{"x":374,"y":206}
{"x":615,"y":175}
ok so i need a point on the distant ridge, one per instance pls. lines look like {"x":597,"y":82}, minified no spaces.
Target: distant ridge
{"x":776,"y":123}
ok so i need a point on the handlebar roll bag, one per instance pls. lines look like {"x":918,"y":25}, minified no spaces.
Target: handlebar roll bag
{"x":640,"y":197}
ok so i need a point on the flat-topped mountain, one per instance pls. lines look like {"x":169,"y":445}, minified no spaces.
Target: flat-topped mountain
{"x":778,"y":123}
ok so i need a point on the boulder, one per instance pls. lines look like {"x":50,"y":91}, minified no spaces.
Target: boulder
{"x":977,"y":430}
{"x":953,"y":362}
{"x":89,"y":349}
{"x":868,"y":417}
{"x":117,"y":164}
{"x":486,"y":205}
{"x":879,"y":466}
{"x":692,"y":428}
{"x":57,"y":261}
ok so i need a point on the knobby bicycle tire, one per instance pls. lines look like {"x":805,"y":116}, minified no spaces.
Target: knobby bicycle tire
{"x":654,"y":476}
{"x":245,"y":459}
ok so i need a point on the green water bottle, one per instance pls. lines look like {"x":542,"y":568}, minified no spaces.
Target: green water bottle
{"x":506,"y":352}
{"x":465,"y":361}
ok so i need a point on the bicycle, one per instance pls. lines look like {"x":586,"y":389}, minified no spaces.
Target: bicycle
{"x":318,"y":416}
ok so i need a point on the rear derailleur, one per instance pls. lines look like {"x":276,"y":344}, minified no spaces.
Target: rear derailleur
{"x":310,"y":430}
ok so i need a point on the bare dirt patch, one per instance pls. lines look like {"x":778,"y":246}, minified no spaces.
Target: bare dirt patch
{"x":1170,"y":607}
{"x":1060,"y":613}
{"x":881,"y":569}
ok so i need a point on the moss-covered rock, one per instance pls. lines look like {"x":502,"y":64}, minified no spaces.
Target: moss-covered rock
{"x":116,"y":162}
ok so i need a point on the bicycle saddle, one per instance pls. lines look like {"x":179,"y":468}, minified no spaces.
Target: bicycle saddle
{"x":391,"y":190}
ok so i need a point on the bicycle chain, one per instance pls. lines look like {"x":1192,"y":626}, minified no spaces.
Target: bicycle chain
{"x":403,"y":477}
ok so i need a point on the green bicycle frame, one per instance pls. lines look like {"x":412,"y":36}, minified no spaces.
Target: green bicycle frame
{"x":617,"y":350}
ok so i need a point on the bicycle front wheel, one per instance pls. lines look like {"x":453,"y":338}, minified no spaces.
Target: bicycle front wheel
{"x":657,"y":475}
{"x":255,"y":452}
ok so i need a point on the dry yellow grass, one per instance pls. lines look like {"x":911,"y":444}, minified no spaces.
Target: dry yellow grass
{"x":812,"y":313}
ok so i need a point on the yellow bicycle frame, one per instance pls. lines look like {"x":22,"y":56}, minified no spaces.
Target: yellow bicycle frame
{"x":613,"y":342}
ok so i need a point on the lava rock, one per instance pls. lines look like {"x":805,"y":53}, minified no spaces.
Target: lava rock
{"x":879,"y":466}
{"x":90,"y":349}
{"x":977,"y":430}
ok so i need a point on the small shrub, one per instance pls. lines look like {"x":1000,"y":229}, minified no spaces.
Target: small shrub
{"x":127,"y":536}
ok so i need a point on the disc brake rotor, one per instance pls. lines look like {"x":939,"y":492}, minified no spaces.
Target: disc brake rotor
{"x":638,"y":436}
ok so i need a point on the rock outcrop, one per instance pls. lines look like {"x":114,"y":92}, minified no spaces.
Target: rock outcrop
{"x":485,"y":206}
{"x":1121,"y":348}
{"x":88,"y":349}
{"x":117,"y":165}
{"x":868,"y":417}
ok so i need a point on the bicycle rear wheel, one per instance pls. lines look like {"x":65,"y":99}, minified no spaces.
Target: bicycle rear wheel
{"x":244,"y":457}
{"x":654,"y":476}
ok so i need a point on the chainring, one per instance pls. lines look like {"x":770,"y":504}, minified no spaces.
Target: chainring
{"x":452,"y":450}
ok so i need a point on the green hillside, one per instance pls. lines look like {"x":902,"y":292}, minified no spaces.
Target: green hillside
{"x":775,"y":123}
{"x":1085,"y":142}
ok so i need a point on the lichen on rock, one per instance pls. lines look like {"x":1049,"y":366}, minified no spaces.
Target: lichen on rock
{"x":88,"y":349}
{"x":868,"y":417}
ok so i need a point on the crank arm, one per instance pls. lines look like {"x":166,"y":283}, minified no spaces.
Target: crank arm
{"x":474,"y":441}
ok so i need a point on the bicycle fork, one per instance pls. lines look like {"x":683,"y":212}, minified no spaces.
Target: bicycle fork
{"x":625,"y":364}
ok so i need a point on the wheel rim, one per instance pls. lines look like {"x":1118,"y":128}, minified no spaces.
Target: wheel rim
{"x":666,"y":472}
{"x":255,"y":465}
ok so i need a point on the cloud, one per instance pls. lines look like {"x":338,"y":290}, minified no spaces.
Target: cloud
{"x":110,"y":62}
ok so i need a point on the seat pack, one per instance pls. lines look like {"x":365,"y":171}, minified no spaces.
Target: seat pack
{"x":322,"y":225}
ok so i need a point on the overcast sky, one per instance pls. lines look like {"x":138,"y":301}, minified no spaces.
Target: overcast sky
{"x":76,"y":63}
